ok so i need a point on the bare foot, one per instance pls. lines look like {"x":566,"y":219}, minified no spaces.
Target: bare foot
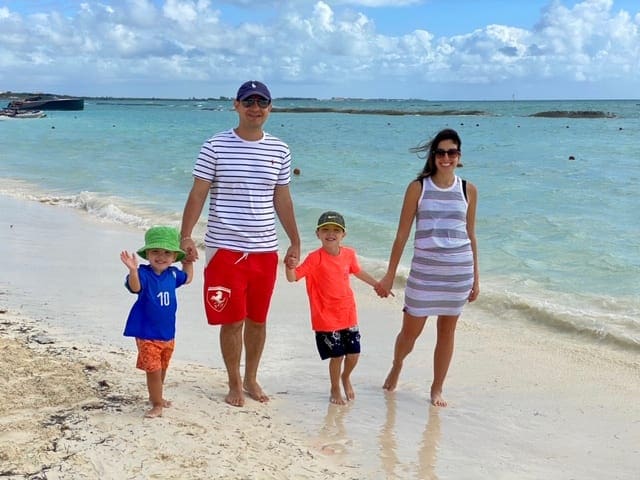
{"x":154,"y":412}
{"x":165,"y":403}
{"x":235,"y":398}
{"x":336,"y":397}
{"x":391,"y":381}
{"x":255,"y":391}
{"x":348,"y":389}
{"x":437,"y":400}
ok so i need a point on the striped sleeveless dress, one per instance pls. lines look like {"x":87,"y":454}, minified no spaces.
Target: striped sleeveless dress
{"x":441,"y":275}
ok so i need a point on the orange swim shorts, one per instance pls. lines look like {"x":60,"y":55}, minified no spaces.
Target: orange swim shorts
{"x":154,"y":355}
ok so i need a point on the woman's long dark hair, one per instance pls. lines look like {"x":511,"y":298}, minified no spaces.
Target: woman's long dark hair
{"x":429,"y":148}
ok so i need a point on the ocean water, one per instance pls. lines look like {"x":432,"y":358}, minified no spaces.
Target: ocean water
{"x":559,"y":258}
{"x":558,"y":220}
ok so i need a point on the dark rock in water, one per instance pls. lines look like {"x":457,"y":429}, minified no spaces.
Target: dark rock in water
{"x":42,"y":339}
{"x":573,"y":114}
{"x":358,"y":111}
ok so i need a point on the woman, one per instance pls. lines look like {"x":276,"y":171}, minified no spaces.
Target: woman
{"x":444,"y":269}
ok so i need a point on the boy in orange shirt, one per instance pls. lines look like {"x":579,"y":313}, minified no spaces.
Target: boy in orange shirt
{"x":332,"y":302}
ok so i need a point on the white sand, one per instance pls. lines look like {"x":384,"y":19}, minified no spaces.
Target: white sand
{"x":525,"y":403}
{"x":70,"y":412}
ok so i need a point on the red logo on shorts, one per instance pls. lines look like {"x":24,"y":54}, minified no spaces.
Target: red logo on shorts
{"x":218,"y":297}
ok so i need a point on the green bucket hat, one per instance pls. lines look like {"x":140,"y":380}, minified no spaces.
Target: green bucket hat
{"x":166,"y":238}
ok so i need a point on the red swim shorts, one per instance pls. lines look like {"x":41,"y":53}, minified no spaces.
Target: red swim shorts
{"x":154,"y":355}
{"x":239,"y":285}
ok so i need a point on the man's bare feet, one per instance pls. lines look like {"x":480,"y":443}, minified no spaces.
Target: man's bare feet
{"x":255,"y":391}
{"x":437,"y":400}
{"x":348,"y":389}
{"x":391,"y":382}
{"x":154,"y":412}
{"x":235,"y":397}
{"x":336,"y":397}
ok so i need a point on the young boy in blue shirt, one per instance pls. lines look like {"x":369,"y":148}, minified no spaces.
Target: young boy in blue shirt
{"x":152,"y":319}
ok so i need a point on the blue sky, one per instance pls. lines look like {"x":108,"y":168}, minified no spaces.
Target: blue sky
{"x":431,"y":49}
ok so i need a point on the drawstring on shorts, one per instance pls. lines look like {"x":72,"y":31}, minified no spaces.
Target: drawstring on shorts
{"x":243,"y":257}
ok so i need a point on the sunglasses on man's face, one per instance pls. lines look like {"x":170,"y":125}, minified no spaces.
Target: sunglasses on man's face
{"x":249,"y":102}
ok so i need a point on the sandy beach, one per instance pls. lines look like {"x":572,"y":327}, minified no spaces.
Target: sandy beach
{"x":72,"y":411}
{"x":524,"y":403}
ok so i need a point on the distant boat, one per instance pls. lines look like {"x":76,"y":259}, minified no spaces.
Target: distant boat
{"x":40,"y":102}
{"x":14,"y":113}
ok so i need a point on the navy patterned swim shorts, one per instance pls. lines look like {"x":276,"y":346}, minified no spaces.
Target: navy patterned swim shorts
{"x":338,"y":343}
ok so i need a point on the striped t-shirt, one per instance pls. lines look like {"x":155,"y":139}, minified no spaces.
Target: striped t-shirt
{"x":243,"y":176}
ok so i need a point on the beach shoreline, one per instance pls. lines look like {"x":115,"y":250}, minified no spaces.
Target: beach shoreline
{"x":525,"y":401}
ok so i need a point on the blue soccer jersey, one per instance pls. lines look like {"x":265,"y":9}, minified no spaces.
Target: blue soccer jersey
{"x":153,"y":315}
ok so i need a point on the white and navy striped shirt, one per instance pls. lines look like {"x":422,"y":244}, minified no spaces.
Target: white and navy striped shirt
{"x":243,"y":176}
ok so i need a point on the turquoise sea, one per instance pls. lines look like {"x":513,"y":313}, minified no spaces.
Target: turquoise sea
{"x":558,"y":218}
{"x":544,"y":380}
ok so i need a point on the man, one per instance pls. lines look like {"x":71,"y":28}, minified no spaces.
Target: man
{"x":246,"y":173}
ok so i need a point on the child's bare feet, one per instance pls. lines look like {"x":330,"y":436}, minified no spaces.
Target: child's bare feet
{"x":165,"y":403}
{"x":336,"y":397}
{"x":348,"y":388}
{"x":156,"y":411}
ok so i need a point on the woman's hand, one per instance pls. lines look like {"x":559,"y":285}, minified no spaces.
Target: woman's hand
{"x":384,"y":286}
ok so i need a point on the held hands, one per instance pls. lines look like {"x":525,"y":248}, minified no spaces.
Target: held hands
{"x":290,"y":262}
{"x":292,"y":258}
{"x":189,"y":247}
{"x":129,"y":259}
{"x":384,"y":286}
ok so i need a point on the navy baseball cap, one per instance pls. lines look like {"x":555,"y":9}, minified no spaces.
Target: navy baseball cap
{"x":331,"y":218}
{"x":253,"y":87}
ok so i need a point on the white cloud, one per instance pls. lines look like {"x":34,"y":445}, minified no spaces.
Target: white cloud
{"x":143,"y":13}
{"x":378,"y":3}
{"x":184,"y":47}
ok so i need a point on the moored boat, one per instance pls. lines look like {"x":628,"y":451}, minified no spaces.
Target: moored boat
{"x":41,"y":102}
{"x":15,"y":113}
